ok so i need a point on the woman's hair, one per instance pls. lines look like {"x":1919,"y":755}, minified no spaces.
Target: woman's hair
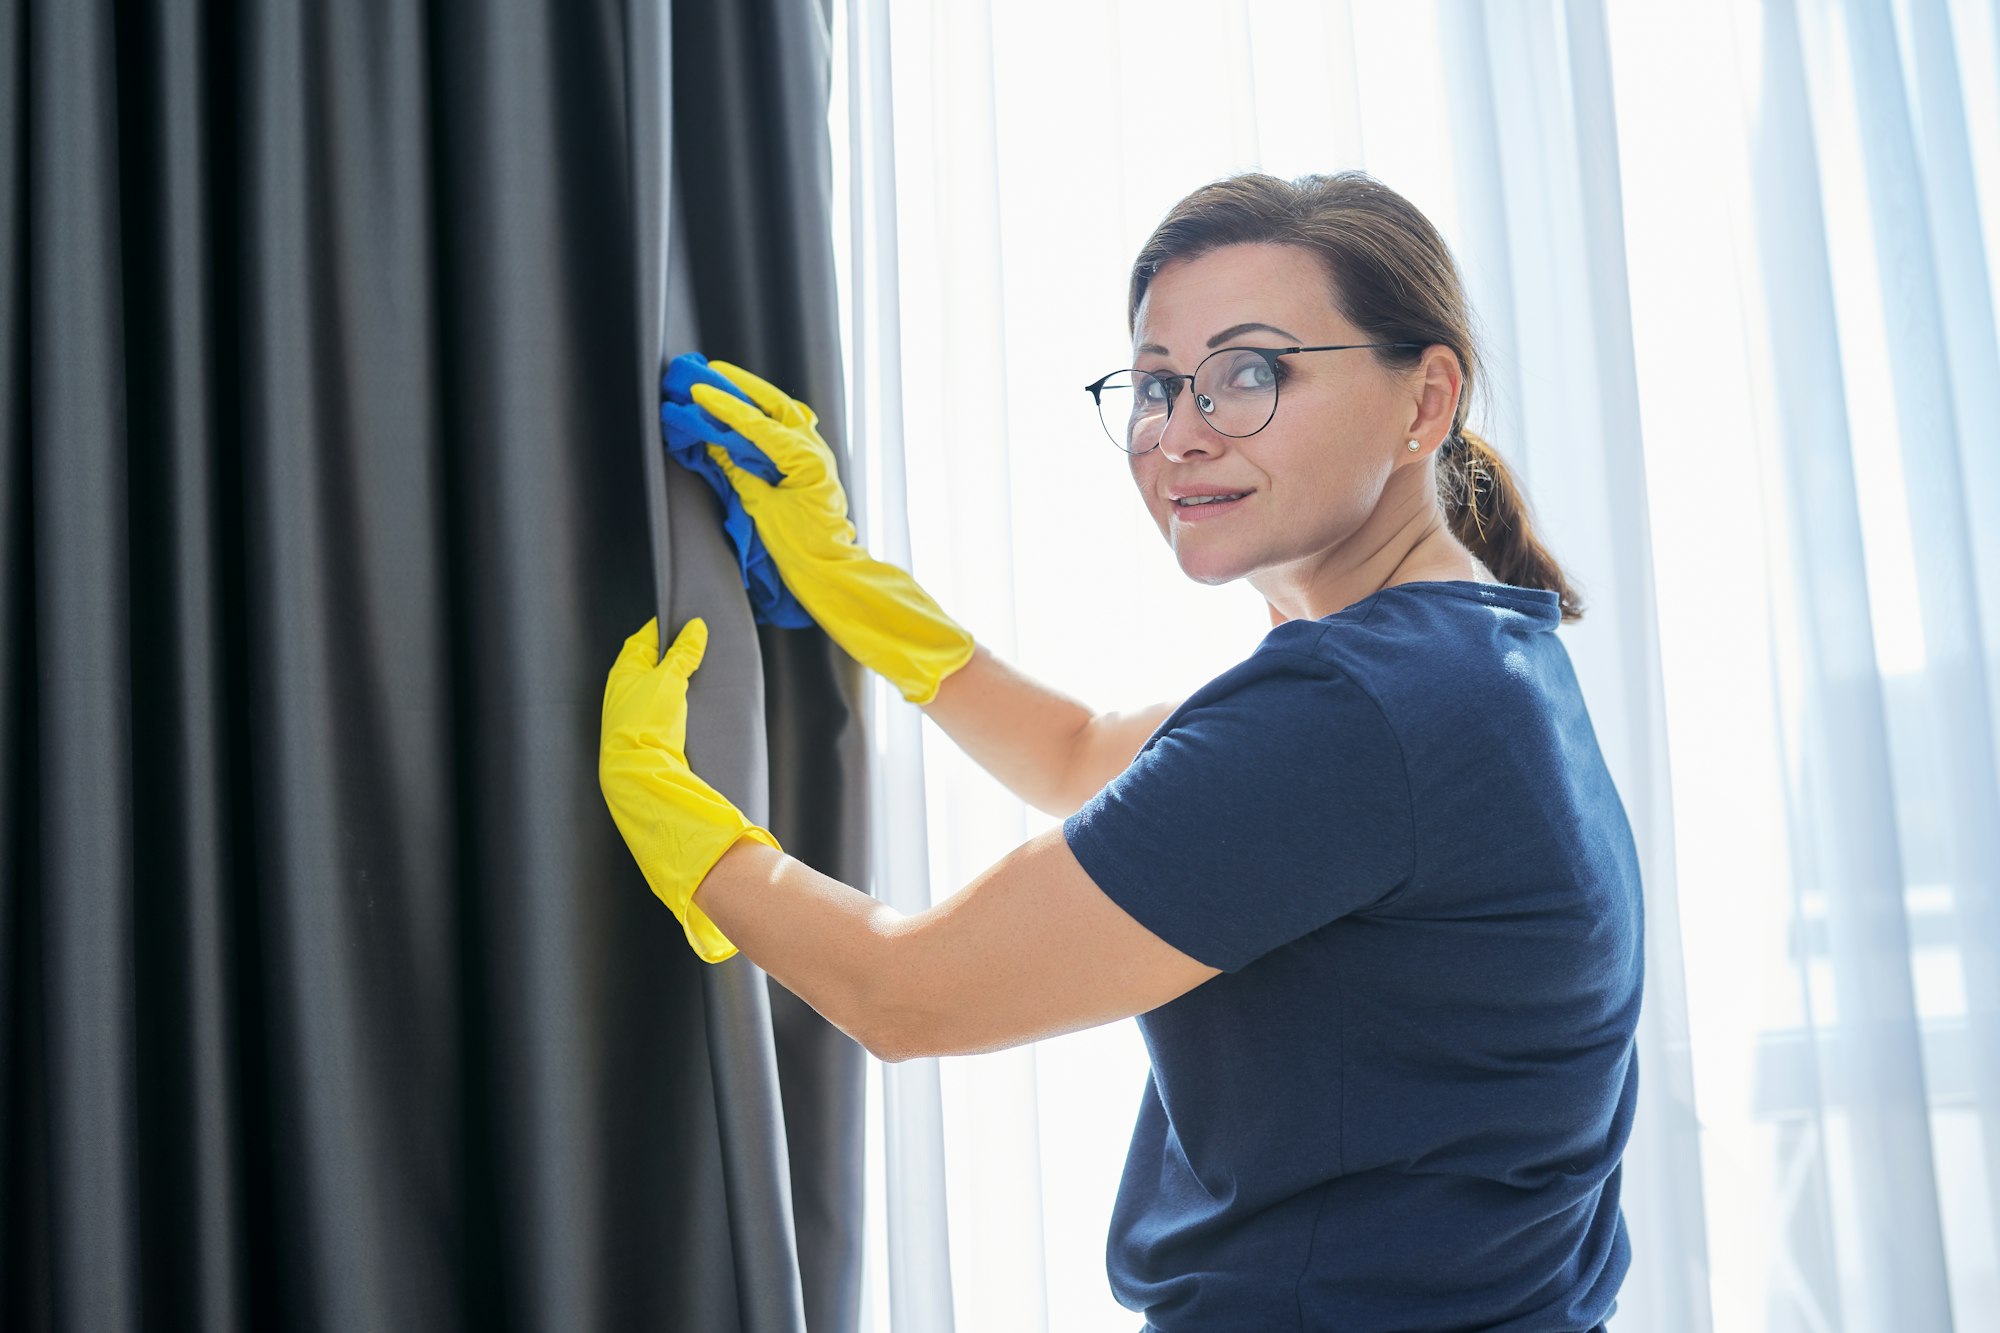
{"x":1392,"y":276}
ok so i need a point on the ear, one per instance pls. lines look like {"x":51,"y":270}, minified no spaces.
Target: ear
{"x":1435,"y":381}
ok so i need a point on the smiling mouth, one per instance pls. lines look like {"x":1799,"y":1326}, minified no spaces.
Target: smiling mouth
{"x":1207,"y":504}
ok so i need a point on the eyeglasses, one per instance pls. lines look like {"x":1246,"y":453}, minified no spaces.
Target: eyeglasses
{"x":1235,"y":390}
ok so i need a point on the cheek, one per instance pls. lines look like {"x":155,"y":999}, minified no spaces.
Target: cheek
{"x":1143,"y":468}
{"x":1333,"y":456}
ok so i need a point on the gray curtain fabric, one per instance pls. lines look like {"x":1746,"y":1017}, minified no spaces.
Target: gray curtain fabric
{"x":753,"y":201}
{"x":329,"y":996}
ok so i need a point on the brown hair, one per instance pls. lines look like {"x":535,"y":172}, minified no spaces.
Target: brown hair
{"x":1392,"y":276}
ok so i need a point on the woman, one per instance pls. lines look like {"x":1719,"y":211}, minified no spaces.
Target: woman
{"x":1371,"y":892}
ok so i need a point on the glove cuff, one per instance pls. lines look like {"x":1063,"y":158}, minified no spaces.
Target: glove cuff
{"x":704,"y":936}
{"x":921,"y":689}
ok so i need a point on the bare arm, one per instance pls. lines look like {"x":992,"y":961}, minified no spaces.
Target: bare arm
{"x":1046,"y":747}
{"x":1031,"y":948}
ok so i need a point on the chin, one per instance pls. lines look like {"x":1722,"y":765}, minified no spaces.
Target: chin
{"x":1206,"y":568}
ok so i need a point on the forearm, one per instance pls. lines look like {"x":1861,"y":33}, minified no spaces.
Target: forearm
{"x":1050,"y":750}
{"x":822,"y":940}
{"x":1021,"y":731}
{"x":1031,"y":948}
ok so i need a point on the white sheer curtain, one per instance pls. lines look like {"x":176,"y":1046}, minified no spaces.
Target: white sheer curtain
{"x":1734,"y":263}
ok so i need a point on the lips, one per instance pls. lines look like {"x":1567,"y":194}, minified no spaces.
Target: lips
{"x":1195,"y":507}
{"x":1203,"y":495}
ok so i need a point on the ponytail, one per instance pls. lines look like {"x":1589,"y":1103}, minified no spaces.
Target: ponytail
{"x":1489,"y":514}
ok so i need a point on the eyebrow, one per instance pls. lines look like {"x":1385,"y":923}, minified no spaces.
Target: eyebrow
{"x":1233,"y":331}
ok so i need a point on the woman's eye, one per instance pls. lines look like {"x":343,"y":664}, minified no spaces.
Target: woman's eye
{"x":1252,"y":373}
{"x":1155,"y":390}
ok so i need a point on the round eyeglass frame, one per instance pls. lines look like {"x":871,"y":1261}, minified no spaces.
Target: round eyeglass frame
{"x":1175,"y":382}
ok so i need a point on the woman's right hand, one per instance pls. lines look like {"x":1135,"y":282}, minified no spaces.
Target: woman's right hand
{"x":875,"y":611}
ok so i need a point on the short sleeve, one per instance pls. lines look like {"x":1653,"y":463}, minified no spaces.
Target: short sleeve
{"x":1271,"y":803}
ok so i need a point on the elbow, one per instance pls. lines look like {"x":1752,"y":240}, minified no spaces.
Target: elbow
{"x":894,"y":1023}
{"x":884,"y":1048}
{"x":880,"y":1039}
{"x":889,"y":1055}
{"x":892,"y":1039}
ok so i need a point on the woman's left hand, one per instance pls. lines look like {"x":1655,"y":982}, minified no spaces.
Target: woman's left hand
{"x":876,"y":611}
{"x":676,"y":825}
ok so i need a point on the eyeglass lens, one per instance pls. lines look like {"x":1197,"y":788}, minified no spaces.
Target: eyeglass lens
{"x":1235,"y":389}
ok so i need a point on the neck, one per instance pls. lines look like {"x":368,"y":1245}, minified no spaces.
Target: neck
{"x":1403,"y":547}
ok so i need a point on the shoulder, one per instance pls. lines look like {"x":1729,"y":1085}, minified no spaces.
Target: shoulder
{"x":1290,"y":694}
{"x":1407,"y":643}
{"x":1399,"y":660}
{"x":1278,"y":784}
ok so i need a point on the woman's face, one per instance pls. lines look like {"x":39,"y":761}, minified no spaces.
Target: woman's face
{"x":1314,"y":476}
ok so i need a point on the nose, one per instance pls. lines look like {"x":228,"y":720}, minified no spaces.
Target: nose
{"x":1186,"y":432}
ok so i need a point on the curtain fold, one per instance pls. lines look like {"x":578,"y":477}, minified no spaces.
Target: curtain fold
{"x":692,"y":574}
{"x":753,"y":197}
{"x":87,"y":1057}
{"x":1844,"y":837}
{"x":329,"y":996}
{"x":1944,"y":363}
{"x":1863,"y":1123}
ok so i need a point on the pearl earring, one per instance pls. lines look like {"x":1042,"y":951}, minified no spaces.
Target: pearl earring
{"x":1414,"y":446}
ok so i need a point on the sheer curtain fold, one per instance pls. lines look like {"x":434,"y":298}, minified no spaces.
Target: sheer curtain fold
{"x":914,"y":1238}
{"x":1866,"y":1107}
{"x":1921,"y":149}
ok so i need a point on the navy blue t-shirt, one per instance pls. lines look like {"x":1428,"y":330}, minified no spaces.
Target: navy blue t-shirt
{"x":1403,"y":1103}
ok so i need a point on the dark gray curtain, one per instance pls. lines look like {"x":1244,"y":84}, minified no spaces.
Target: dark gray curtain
{"x":329,"y":996}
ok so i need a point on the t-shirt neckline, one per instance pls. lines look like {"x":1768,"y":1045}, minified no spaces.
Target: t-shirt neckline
{"x":1538,"y":599}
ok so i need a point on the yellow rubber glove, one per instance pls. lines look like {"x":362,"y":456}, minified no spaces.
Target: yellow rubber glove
{"x":676,"y":825}
{"x":872,"y":609}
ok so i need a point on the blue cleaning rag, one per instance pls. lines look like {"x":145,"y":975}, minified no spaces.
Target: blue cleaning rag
{"x":689,"y":431}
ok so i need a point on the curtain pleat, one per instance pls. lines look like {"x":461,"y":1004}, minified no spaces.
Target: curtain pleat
{"x":1869,"y":1123}
{"x":20,"y":1252}
{"x":82,"y":791}
{"x":1945,"y":361}
{"x":753,"y":194}
{"x":1962,"y":631}
{"x":187,"y":562}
